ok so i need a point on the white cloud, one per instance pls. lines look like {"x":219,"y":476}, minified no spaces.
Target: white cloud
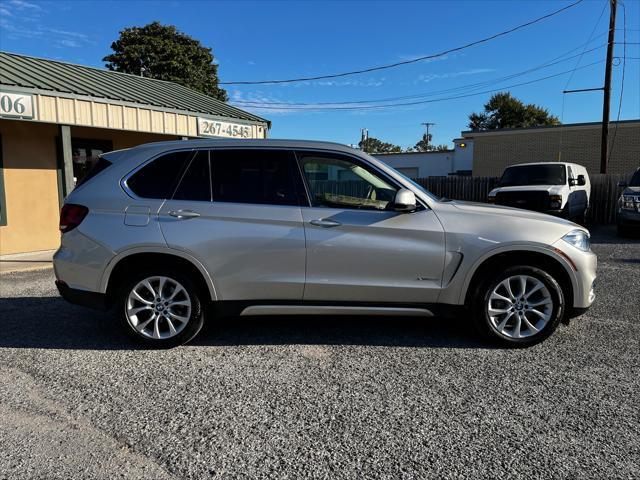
{"x":28,"y":22}
{"x":425,"y":78}
{"x":22,"y":5}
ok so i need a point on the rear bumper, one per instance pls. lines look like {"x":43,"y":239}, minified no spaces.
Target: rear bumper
{"x":95,"y":300}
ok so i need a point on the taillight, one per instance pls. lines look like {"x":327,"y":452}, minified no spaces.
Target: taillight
{"x":71,"y":216}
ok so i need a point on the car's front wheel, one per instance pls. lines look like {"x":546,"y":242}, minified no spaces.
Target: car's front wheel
{"x":160,"y":308}
{"x":518,"y":307}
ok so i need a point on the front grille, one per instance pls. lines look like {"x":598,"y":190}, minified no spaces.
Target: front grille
{"x":528,"y":200}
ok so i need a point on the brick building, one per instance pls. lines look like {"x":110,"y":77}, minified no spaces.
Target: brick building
{"x":494,"y":150}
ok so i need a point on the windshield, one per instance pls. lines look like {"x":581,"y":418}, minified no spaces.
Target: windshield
{"x":534,"y":175}
{"x":418,"y":186}
{"x":635,"y":180}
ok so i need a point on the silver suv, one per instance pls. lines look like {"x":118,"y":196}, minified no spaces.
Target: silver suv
{"x":170,"y":233}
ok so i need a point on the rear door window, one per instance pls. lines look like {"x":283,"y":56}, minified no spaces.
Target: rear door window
{"x":195,"y":184}
{"x":253,"y":176}
{"x":159,"y":178}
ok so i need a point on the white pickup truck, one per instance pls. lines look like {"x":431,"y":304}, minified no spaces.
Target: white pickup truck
{"x":561,"y":189}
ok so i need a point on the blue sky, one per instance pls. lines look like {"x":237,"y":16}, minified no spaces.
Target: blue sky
{"x":267,"y":40}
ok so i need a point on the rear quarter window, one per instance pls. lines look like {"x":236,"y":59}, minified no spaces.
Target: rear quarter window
{"x":101,"y":165}
{"x":159,"y":178}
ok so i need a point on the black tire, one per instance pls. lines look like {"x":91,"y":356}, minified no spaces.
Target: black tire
{"x":480,"y":302}
{"x":195,"y":320}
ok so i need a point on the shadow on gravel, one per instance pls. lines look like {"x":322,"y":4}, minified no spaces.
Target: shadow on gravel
{"x":606,"y":234}
{"x":52,"y":323}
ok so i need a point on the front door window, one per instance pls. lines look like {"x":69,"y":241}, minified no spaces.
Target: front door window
{"x":339,"y":182}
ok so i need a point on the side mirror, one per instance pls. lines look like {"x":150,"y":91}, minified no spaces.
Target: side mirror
{"x":405,"y":201}
{"x":581,"y":180}
{"x":573,"y":182}
{"x":623,"y":184}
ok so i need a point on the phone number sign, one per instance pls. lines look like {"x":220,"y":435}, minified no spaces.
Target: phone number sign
{"x":217,"y":128}
{"x":16,"y":104}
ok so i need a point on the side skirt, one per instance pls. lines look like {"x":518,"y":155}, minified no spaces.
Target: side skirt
{"x":284,"y":307}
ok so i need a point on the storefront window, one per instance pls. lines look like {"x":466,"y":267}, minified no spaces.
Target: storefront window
{"x":85,"y":155}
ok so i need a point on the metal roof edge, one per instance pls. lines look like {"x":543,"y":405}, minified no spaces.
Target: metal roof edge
{"x":147,"y":79}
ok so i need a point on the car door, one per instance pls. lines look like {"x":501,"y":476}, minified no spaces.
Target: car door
{"x":358,"y":249}
{"x":236,"y":210}
{"x":577,"y":199}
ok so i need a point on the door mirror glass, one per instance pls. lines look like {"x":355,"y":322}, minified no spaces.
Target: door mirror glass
{"x":405,"y":201}
{"x":581,"y":180}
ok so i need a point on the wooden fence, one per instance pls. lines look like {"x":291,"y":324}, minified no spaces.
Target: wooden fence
{"x":604,"y":192}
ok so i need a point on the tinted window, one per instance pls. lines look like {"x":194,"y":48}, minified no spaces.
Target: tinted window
{"x":253,"y":176}
{"x":99,"y":166}
{"x":340,"y":182}
{"x":195,"y":183}
{"x":158,"y":179}
{"x":534,"y":175}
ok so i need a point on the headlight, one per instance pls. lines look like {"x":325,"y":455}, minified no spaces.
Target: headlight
{"x":579,"y":239}
{"x":491,"y":199}
{"x":627,"y":202}
{"x":556,"y":201}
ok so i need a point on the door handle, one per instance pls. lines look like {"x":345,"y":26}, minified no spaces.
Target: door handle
{"x":184,"y":214}
{"x":325,"y":222}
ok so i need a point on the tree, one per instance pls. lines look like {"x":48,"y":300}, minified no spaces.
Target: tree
{"x":373,"y":145}
{"x":505,"y":111}
{"x":425,"y":145}
{"x":163,"y":52}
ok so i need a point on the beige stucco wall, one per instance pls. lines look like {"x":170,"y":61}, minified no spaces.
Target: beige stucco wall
{"x":31,"y":179}
{"x":31,"y":187}
{"x":494,"y":151}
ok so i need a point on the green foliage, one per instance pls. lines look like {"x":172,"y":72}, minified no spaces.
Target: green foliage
{"x":505,"y":111}
{"x":425,"y":145}
{"x":373,"y":145}
{"x":163,"y":52}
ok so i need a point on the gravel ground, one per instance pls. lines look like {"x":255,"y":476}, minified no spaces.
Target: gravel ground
{"x":320,"y":397}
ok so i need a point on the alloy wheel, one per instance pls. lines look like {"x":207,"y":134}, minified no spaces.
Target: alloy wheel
{"x":158,"y":307}
{"x":519,"y":306}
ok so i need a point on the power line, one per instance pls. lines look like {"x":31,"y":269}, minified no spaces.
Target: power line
{"x":471,"y":86}
{"x":566,"y":85}
{"x":624,"y":67}
{"x":604,"y":7}
{"x":368,"y":107}
{"x":406,"y":62}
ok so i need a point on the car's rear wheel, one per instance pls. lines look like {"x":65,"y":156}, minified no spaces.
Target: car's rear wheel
{"x":160,"y":308}
{"x":518,"y":307}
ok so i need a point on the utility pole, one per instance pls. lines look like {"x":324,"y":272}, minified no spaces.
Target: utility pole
{"x":604,"y":147}
{"x":427,"y":125}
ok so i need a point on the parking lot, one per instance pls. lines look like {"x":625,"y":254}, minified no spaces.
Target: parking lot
{"x":321,"y":397}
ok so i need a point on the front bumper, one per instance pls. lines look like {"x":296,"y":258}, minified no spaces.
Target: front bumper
{"x":583,"y":267}
{"x":95,"y":300}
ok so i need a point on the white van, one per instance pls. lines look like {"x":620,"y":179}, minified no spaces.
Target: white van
{"x":561,"y":189}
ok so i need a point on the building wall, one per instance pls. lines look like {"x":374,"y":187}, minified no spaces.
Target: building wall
{"x":30,"y":172}
{"x":427,"y":164}
{"x":432,"y":164}
{"x":494,"y":151}
{"x":31,"y":187}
